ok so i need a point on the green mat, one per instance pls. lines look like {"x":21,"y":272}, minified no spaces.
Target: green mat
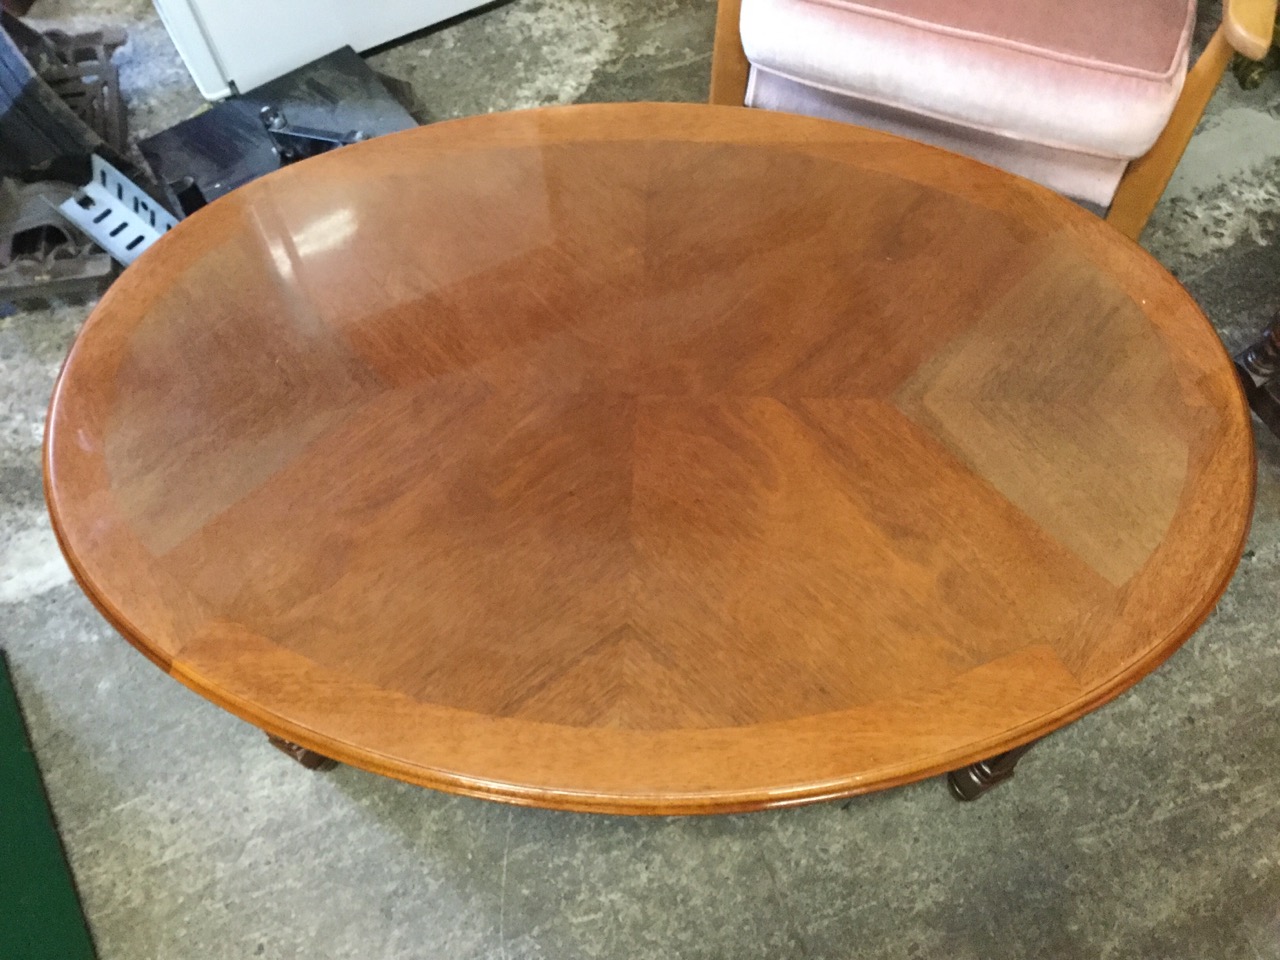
{"x":40,"y":916}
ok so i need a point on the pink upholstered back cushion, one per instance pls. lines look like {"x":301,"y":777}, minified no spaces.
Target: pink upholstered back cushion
{"x":1142,"y":37}
{"x":1081,"y":176}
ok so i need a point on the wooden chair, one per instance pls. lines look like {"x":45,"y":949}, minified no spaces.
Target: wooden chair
{"x":1137,"y":184}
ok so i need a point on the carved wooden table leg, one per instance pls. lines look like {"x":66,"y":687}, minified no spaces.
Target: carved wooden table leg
{"x":971,"y":782}
{"x":308,"y":758}
{"x":1258,"y":366}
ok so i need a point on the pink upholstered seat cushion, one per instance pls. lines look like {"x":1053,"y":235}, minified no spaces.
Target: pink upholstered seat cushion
{"x":1093,"y":76}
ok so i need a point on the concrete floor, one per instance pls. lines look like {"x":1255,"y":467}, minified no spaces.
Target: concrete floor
{"x":1149,"y":829}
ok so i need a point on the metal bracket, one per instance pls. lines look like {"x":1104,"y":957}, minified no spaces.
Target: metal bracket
{"x":119,"y":216}
{"x":297,"y":142}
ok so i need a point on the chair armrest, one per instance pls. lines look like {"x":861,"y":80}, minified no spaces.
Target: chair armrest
{"x":1249,"y":24}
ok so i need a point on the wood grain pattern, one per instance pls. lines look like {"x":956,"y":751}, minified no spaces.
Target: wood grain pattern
{"x":650,"y":458}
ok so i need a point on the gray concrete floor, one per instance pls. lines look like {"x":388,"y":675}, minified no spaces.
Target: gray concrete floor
{"x":1149,"y":829}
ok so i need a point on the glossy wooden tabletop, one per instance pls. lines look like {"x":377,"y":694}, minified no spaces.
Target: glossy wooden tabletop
{"x":650,"y":458}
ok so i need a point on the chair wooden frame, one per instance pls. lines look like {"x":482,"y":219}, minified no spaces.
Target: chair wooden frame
{"x":1246,"y":29}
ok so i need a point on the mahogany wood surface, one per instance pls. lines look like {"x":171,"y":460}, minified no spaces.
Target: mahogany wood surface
{"x":650,"y":458}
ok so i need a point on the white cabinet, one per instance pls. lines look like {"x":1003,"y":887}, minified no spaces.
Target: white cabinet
{"x":247,"y":43}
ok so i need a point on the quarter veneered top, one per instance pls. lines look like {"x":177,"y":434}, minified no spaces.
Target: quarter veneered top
{"x":650,"y":458}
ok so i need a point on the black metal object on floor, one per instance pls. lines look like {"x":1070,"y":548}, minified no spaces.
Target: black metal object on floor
{"x":329,"y":102}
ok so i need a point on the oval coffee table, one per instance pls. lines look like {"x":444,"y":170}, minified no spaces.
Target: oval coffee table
{"x":650,"y":459}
